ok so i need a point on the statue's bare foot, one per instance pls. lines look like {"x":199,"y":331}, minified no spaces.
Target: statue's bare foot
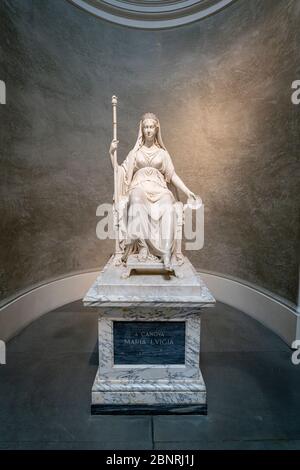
{"x":167,"y":262}
{"x":143,"y":255}
{"x":119,"y":261}
{"x":179,"y":259}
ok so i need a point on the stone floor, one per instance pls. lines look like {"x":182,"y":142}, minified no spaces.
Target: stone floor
{"x":253,"y":390}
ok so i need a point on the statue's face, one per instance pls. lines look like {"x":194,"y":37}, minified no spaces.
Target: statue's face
{"x":149,"y":128}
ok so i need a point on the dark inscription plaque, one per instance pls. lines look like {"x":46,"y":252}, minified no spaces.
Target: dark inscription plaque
{"x":139,"y":342}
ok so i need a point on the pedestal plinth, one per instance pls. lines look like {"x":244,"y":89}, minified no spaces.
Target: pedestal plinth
{"x":149,"y":348}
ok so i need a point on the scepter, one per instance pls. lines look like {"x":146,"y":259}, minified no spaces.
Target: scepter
{"x":114,"y":102}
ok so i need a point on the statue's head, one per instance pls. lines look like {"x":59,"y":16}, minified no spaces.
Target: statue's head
{"x":150,"y":125}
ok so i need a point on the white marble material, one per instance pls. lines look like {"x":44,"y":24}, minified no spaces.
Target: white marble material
{"x":148,"y":280}
{"x":148,"y":214}
{"x":149,"y":398}
{"x":149,"y":384}
{"x":149,"y":298}
{"x":111,"y":288}
{"x":154,"y":314}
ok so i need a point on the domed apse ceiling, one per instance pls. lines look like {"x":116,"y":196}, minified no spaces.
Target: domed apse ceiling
{"x":152,"y":14}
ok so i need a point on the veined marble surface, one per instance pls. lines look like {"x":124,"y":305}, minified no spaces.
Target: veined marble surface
{"x":149,"y":384}
{"x":106,"y":344}
{"x":149,"y":298}
{"x":149,"y":398}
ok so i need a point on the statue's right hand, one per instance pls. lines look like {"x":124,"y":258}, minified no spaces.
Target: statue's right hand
{"x":113,"y":146}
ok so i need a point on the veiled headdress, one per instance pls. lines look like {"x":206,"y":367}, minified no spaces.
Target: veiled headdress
{"x":158,"y":137}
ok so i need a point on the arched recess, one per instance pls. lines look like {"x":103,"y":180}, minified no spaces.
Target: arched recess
{"x":152,"y":14}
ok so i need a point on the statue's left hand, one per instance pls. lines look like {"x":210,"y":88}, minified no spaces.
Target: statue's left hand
{"x":190,"y":194}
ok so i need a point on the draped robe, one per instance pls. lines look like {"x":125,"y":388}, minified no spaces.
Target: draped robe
{"x":146,"y":181}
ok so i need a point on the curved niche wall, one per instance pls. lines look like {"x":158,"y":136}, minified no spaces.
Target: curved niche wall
{"x":152,"y":14}
{"x":224,"y":103}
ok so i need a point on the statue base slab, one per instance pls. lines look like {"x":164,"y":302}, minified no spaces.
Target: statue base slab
{"x":149,"y":346}
{"x":114,"y":287}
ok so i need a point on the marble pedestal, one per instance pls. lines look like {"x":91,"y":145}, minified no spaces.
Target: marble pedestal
{"x":149,"y":345}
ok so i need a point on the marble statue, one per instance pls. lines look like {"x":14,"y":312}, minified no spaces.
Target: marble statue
{"x":149,"y":296}
{"x":147,"y":206}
